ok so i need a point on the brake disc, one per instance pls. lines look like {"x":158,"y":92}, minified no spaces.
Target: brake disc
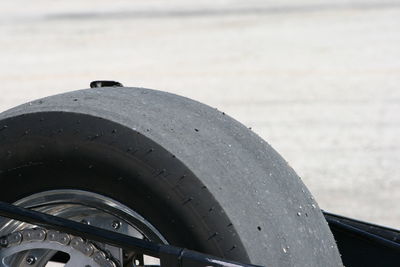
{"x":36,"y":247}
{"x":25,"y":244}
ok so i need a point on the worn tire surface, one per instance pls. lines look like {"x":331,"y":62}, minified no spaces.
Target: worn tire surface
{"x":203,"y":179}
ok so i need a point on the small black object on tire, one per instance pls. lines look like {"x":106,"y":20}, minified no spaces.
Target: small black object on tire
{"x":105,"y":83}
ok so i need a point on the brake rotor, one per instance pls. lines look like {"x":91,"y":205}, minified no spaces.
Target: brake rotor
{"x":36,"y":247}
{"x":26,"y":245}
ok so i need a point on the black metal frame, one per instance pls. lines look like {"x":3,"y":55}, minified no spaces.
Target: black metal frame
{"x":363,"y":244}
{"x":170,"y":256}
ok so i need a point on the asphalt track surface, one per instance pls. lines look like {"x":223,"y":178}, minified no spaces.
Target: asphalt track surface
{"x":319,"y":80}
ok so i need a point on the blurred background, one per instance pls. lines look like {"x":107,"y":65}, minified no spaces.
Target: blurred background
{"x":319,"y":80}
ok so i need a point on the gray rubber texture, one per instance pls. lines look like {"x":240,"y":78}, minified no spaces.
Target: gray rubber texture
{"x":230,"y":191}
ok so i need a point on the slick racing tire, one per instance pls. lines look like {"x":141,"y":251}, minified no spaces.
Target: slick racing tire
{"x":196,"y":177}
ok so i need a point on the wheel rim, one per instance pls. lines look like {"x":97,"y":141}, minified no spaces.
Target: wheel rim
{"x":82,"y":206}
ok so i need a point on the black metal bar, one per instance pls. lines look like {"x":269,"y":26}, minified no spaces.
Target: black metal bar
{"x":363,"y":244}
{"x":170,"y":256}
{"x":386,"y":233}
